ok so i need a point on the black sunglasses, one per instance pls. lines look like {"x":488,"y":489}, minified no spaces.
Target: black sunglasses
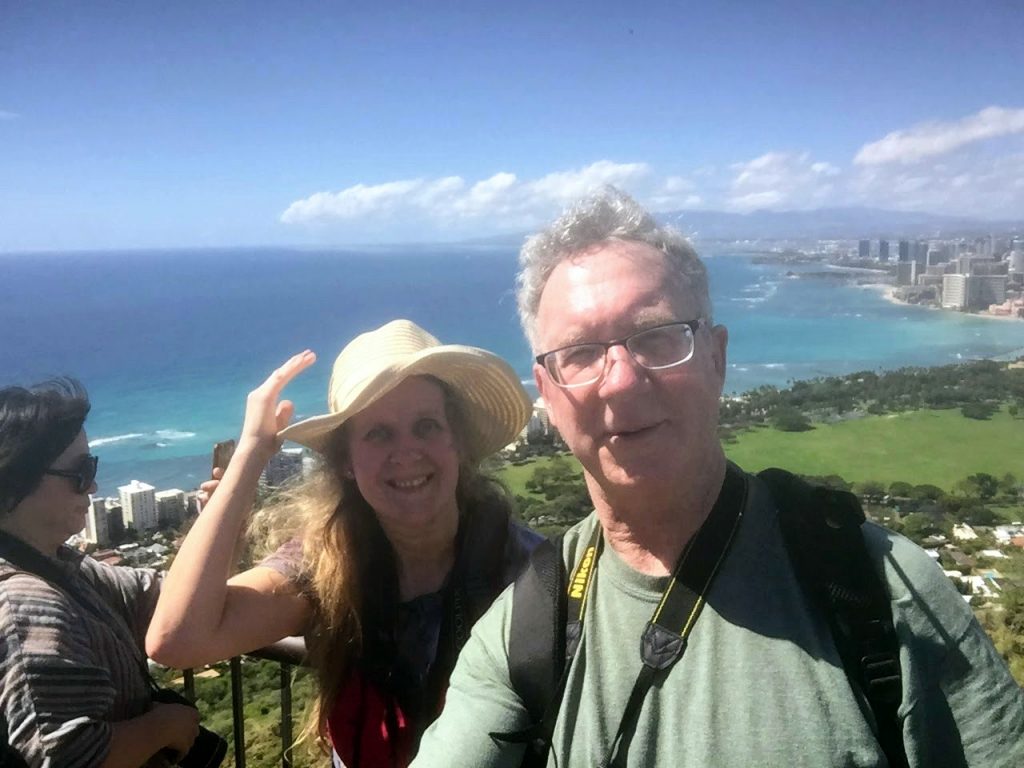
{"x":85,"y":474}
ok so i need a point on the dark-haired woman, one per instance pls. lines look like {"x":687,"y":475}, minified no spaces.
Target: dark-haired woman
{"x":73,"y":685}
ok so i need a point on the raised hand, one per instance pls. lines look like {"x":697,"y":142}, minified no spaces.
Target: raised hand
{"x":265,"y":413}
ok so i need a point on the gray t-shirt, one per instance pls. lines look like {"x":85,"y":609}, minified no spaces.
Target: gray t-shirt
{"x":761,"y":682}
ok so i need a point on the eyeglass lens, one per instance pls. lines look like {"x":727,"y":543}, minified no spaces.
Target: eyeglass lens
{"x":654,"y":348}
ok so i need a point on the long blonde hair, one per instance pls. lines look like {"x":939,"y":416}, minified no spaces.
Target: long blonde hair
{"x":343,"y":545}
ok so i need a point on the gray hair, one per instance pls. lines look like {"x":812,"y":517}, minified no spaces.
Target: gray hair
{"x":610,"y":214}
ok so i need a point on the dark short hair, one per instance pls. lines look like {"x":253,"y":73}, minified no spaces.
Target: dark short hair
{"x":37,"y":425}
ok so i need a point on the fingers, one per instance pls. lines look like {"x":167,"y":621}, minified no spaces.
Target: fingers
{"x":285,"y":411}
{"x":262,"y":410}
{"x":206,"y":489}
{"x":295,"y":365}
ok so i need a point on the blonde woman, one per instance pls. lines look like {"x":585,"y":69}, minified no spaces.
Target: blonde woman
{"x":404,"y":543}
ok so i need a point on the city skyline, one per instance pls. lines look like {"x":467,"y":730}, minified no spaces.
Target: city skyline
{"x":242,"y":124}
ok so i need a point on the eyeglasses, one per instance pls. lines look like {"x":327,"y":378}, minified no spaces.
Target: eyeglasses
{"x":663,"y":346}
{"x":85,"y":473}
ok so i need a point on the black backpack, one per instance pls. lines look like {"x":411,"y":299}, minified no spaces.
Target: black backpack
{"x":821,"y":529}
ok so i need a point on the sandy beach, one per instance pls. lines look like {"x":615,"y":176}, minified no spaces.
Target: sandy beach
{"x":888,"y":292}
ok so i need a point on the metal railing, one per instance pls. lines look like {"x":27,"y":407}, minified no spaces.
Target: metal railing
{"x":288,"y":653}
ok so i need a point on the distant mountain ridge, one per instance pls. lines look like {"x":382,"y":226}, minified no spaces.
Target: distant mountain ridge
{"x":831,"y":223}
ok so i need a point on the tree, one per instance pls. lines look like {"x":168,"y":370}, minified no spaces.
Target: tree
{"x":917,"y":526}
{"x":901,"y":489}
{"x":788,"y":419}
{"x":981,"y":485}
{"x":927,"y":492}
{"x":870,"y":490}
{"x":977,"y":514}
{"x":980,"y":411}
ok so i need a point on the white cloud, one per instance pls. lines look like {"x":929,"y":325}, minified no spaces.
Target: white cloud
{"x":5,"y":115}
{"x":984,"y":185}
{"x":982,"y":180}
{"x":939,"y":138}
{"x":504,"y":198}
{"x":780,"y":180}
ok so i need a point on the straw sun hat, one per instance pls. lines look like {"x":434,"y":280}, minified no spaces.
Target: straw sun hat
{"x":372,"y":364}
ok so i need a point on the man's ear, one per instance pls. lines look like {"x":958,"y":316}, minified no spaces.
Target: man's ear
{"x":544,"y":385}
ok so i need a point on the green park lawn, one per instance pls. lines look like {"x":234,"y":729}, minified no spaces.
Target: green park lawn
{"x":936,"y":447}
{"x":514,"y":477}
{"x":918,"y":447}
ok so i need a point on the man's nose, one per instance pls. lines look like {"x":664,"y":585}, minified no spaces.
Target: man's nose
{"x":621,"y":372}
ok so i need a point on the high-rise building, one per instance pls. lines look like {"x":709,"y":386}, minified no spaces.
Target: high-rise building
{"x":906,"y":273}
{"x":864,"y":249}
{"x":96,"y":529}
{"x":987,"y":247}
{"x":171,"y":507}
{"x":138,"y":500}
{"x":954,"y":291}
{"x":883,"y":250}
{"x":1016,"y":260}
{"x":986,"y":290}
{"x":282,"y":467}
{"x":904,"y":250}
{"x":115,"y":520}
{"x":990,"y":267}
{"x":920,"y":253}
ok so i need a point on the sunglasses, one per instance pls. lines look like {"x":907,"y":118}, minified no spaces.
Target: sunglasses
{"x":84,"y":473}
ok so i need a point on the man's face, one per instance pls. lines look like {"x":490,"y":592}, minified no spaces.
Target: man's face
{"x":634,"y":426}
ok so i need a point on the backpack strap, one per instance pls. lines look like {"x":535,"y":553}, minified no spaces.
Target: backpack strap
{"x":475,"y":582}
{"x":537,"y":649}
{"x":821,"y":529}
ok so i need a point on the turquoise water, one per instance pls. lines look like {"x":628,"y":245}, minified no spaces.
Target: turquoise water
{"x":169,"y":343}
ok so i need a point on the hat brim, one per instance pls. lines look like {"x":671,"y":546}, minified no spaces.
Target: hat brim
{"x":497,"y":407}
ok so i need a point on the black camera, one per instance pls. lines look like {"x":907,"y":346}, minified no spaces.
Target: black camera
{"x":208,"y":749}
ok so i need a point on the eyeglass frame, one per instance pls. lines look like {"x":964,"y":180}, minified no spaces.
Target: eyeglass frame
{"x":80,"y":474}
{"x":694,"y":326}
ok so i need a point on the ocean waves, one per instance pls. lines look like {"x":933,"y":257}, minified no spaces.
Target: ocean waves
{"x":160,"y":438}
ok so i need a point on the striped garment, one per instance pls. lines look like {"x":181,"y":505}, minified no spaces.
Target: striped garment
{"x":68,"y":669}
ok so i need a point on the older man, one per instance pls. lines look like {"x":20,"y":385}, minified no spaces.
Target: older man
{"x":631,"y":366}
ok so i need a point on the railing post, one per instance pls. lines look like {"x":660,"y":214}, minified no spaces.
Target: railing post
{"x":190,"y":684}
{"x":237,"y":711}
{"x":286,"y":715}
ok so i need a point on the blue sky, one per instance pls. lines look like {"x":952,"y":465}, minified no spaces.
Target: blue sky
{"x":214,"y":124}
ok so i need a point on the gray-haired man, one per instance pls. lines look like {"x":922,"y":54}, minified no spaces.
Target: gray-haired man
{"x":631,"y":366}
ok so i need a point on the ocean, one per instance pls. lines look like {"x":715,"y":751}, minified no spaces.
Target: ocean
{"x":169,"y":343}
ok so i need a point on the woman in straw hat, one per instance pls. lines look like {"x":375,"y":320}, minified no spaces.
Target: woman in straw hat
{"x":404,"y":542}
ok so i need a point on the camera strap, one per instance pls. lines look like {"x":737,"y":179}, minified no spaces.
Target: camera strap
{"x":664,"y":639}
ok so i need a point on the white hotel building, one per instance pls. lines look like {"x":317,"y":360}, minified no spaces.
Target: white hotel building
{"x":138,"y":502}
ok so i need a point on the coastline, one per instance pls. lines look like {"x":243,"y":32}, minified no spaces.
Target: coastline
{"x":888,"y":292}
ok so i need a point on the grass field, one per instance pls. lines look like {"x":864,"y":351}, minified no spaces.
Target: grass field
{"x":515,"y":477}
{"x":936,"y":447}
